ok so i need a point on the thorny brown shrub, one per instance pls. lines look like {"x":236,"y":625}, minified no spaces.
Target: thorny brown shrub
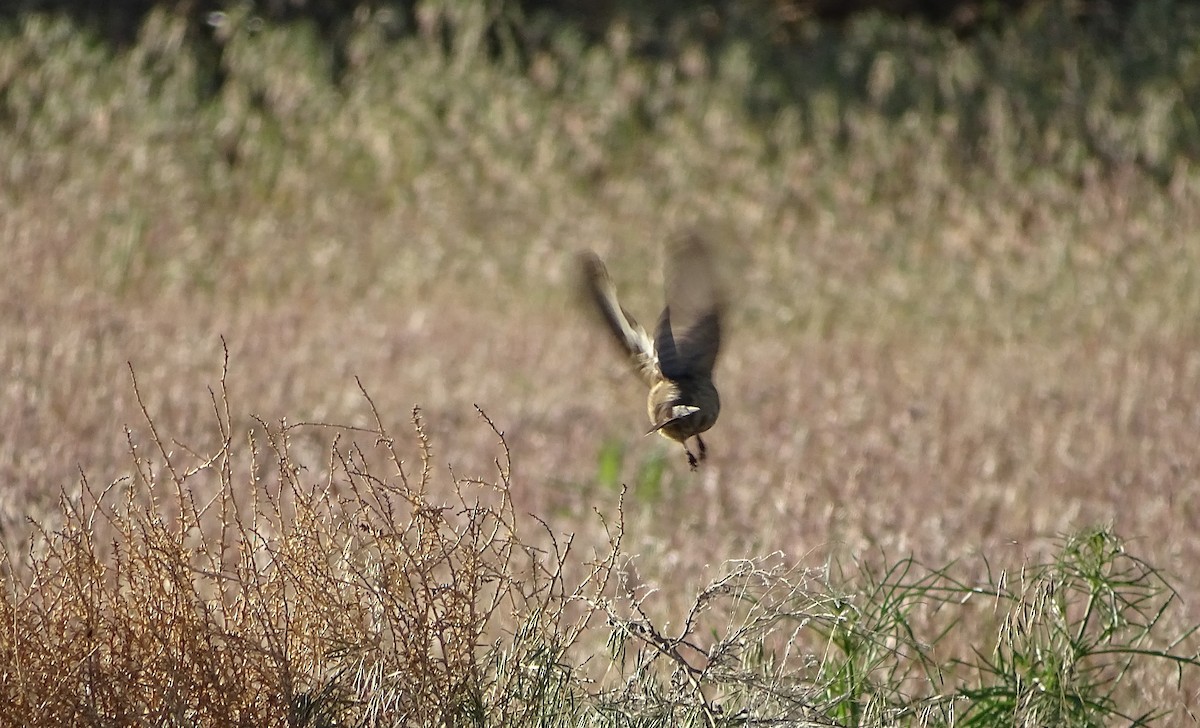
{"x":349,"y":598}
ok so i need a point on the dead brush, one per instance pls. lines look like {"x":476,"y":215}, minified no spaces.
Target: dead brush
{"x":734,"y":658}
{"x":246,"y":587}
{"x":282,"y":597}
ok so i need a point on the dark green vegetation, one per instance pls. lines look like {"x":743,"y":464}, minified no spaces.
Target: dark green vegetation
{"x":965,"y":281}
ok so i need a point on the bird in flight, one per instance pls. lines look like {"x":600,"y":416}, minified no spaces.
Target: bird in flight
{"x":677,"y":364}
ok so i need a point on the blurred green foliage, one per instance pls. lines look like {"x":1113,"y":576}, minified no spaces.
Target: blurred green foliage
{"x":119,"y":21}
{"x":646,"y":487}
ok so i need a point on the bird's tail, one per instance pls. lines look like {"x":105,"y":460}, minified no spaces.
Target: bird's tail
{"x":631,"y":337}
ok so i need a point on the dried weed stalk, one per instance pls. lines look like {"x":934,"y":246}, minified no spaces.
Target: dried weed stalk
{"x":287,"y":598}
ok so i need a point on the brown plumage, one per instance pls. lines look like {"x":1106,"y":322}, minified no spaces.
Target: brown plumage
{"x":677,"y":364}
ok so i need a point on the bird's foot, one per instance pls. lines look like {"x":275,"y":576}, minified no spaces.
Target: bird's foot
{"x":692,"y":462}
{"x":703,"y":450}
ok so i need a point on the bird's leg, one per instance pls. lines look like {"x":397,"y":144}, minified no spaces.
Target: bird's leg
{"x":703,"y":450}
{"x":691,"y":458}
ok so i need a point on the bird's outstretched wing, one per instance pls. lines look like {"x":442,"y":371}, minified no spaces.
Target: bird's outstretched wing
{"x":631,"y":337}
{"x":688,"y":336}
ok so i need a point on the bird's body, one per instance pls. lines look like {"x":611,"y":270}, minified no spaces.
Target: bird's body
{"x":676,"y":364}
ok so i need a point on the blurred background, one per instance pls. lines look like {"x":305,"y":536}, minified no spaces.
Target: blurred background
{"x":960,"y":240}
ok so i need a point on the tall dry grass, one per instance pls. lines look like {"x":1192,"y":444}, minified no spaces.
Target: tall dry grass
{"x":243,"y":586}
{"x":248,"y":585}
{"x":965,"y":276}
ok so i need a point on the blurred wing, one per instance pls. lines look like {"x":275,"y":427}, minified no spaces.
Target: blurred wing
{"x":630,"y":336}
{"x":688,"y":336}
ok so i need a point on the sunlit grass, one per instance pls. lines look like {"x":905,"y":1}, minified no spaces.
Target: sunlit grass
{"x":355,"y":590}
{"x":965,"y":278}
{"x":1029,"y":182}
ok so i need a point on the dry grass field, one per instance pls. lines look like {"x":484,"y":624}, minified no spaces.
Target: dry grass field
{"x":960,"y":387}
